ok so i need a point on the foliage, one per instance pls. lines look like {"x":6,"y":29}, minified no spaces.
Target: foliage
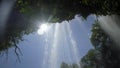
{"x":105,"y":53}
{"x":52,"y":11}
{"x":65,"y":65}
{"x":55,"y":11}
{"x":66,"y":9}
{"x":98,"y":36}
{"x":92,"y":59}
{"x":16,"y":27}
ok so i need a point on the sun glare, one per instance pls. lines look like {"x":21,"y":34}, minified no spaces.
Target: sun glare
{"x":43,"y":29}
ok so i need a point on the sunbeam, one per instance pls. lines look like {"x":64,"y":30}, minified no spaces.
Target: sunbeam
{"x":62,"y":32}
{"x":59,"y":34}
{"x":47,"y":46}
{"x":53,"y":52}
{"x":110,"y":24}
{"x":73,"y":43}
{"x":46,"y":51}
{"x":66,"y":46}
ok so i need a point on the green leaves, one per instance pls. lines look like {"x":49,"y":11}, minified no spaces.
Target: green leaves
{"x":20,"y":1}
{"x":67,"y":9}
{"x":22,"y":10}
{"x":65,"y":65}
{"x":104,"y":53}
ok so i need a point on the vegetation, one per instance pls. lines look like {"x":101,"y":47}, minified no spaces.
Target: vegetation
{"x":65,"y":65}
{"x":60,"y":10}
{"x":53,"y":11}
{"x":105,"y":53}
{"x":16,"y":27}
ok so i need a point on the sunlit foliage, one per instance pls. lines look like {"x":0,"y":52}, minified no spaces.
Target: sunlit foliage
{"x":60,"y":10}
{"x":54,"y":11}
{"x":105,"y":53}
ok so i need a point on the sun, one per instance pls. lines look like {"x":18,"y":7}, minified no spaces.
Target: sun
{"x":43,"y":29}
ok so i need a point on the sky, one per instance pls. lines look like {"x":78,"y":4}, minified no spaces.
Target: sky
{"x":64,"y":42}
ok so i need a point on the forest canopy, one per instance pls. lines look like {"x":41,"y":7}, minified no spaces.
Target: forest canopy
{"x":105,"y":53}
{"x":60,"y":10}
{"x":54,"y":11}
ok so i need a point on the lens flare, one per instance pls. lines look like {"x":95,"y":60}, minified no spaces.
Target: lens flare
{"x":43,"y":29}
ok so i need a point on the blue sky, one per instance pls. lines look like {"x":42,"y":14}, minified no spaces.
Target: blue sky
{"x":62,"y":43}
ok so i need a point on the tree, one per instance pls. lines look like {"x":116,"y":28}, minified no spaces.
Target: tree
{"x":74,"y":66}
{"x":52,"y":11}
{"x":16,"y":27}
{"x":60,"y":10}
{"x":65,"y":65}
{"x":105,"y":53}
{"x":92,"y":59}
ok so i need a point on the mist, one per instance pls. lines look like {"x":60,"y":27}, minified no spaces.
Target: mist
{"x":111,"y":25}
